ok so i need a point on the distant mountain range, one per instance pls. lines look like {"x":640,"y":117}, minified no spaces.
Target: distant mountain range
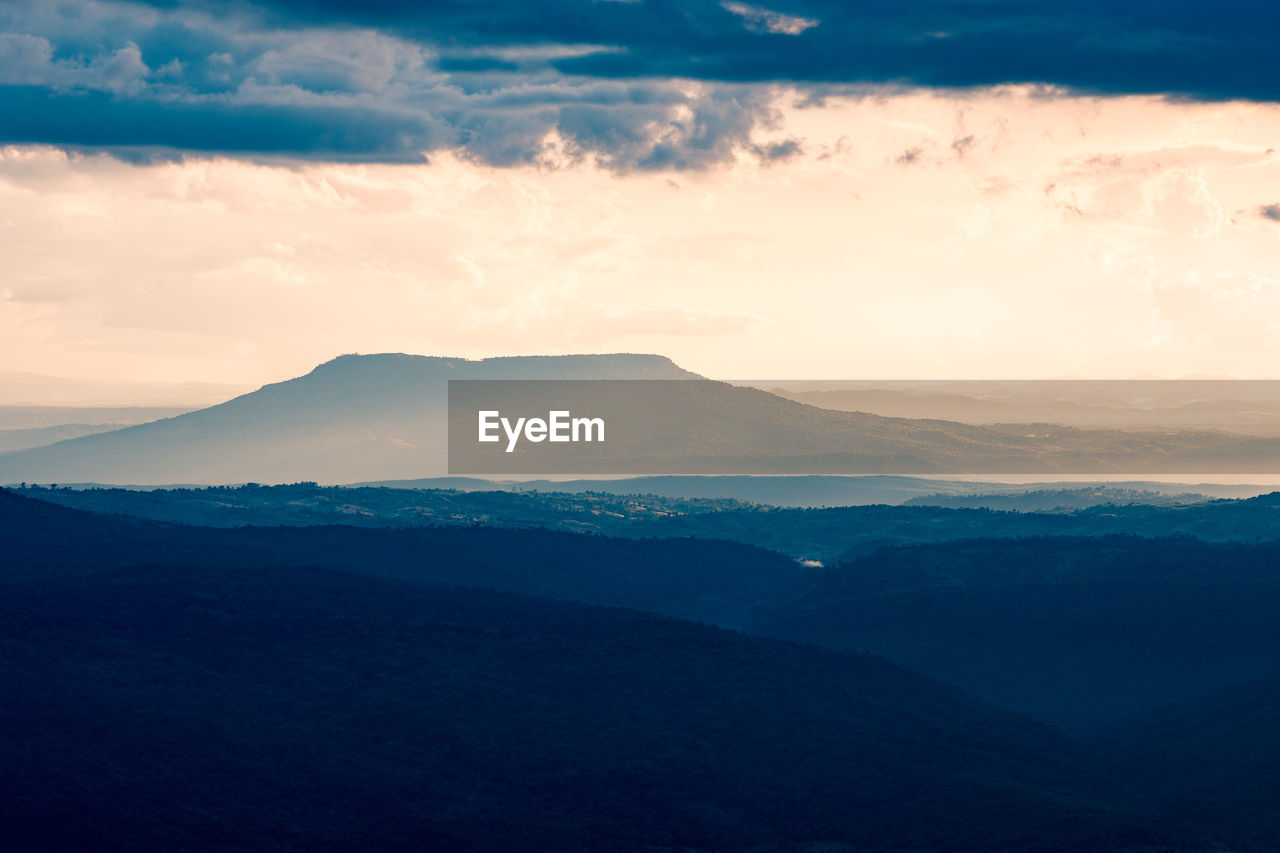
{"x":817,"y":490}
{"x":1249,"y":407}
{"x":22,"y":439}
{"x":383,"y":417}
{"x":45,"y":417}
{"x":31,"y":389}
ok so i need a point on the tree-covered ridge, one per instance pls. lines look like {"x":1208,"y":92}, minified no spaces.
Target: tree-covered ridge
{"x":1081,"y":631}
{"x":703,"y":580}
{"x":167,"y":707}
{"x":178,"y":687}
{"x":376,"y":506}
{"x":827,"y":534}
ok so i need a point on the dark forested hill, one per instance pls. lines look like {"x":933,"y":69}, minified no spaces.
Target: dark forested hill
{"x":1078,"y":631}
{"x":1214,"y":758}
{"x":717,"y":582}
{"x":842,"y":533}
{"x":376,"y":506}
{"x":825,"y":490}
{"x":1061,"y":499}
{"x":169,"y":708}
{"x":319,"y":688}
{"x":824,"y":534}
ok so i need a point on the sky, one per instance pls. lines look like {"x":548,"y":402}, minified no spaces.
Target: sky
{"x":236,"y":192}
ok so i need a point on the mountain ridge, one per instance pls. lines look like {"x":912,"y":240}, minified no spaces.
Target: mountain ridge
{"x":383,"y":416}
{"x":352,"y":417}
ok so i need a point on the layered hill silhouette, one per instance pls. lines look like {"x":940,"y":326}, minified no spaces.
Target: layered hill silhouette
{"x":178,"y":688}
{"x":831,"y":535}
{"x":153,"y":668}
{"x":379,"y":417}
{"x":703,"y":580}
{"x":1212,"y":758}
{"x":1082,"y":632}
{"x":292,"y":709}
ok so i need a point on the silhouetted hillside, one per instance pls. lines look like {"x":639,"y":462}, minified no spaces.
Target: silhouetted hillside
{"x":844,"y":533}
{"x":1077,"y":631}
{"x":375,"y":506}
{"x":716,"y":582}
{"x":1215,"y":759}
{"x":829,"y":535}
{"x":177,"y":687}
{"x":170,"y":708}
{"x":798,"y":491}
{"x":816,"y":491}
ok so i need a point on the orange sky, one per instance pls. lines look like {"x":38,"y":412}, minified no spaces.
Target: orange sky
{"x":1012,"y":233}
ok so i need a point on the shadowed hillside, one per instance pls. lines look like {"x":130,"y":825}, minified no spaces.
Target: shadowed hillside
{"x":154,"y":669}
{"x":166,"y":708}
{"x":1214,"y":758}
{"x":708,"y":581}
{"x":1077,"y":630}
{"x":829,"y":535}
{"x":1082,"y":632}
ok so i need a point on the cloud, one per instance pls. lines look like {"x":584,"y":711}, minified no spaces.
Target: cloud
{"x":910,"y":156}
{"x":758,"y":19}
{"x":147,"y":84}
{"x":27,"y":60}
{"x":664,"y":84}
{"x":834,"y":261}
{"x":1270,"y":211}
{"x":962,"y":144}
{"x":1131,"y":46}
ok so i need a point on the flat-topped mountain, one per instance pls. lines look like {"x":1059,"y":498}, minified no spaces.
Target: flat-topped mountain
{"x":383,"y":417}
{"x":356,"y":417}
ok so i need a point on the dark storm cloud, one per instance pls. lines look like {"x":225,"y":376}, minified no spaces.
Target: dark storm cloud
{"x":98,"y":120}
{"x":1219,"y":50}
{"x":498,"y":80}
{"x":155,"y":81}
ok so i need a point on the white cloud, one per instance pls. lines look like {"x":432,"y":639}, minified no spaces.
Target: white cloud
{"x":835,"y":263}
{"x":27,"y":60}
{"x":759,"y":19}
